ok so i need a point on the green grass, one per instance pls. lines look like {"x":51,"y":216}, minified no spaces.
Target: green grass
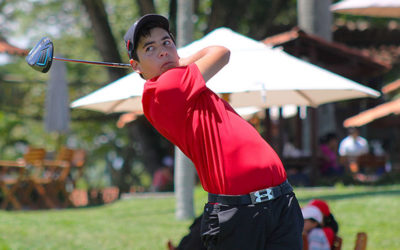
{"x":147,"y":223}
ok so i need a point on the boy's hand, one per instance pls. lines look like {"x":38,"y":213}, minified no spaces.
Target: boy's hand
{"x":209,"y":60}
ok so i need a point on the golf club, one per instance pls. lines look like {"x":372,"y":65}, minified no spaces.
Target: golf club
{"x":41,"y":57}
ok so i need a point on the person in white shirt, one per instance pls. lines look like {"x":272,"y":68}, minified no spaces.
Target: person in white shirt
{"x":353,"y":145}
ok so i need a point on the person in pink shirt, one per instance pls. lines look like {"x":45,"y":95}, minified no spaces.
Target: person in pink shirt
{"x":329,"y":153}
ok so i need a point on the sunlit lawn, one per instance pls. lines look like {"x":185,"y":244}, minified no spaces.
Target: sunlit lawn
{"x":148,"y":223}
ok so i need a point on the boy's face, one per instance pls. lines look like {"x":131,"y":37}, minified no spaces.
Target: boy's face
{"x":157,"y":53}
{"x":309,"y":224}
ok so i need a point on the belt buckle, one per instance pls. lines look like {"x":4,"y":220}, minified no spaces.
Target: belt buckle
{"x":262,"y":195}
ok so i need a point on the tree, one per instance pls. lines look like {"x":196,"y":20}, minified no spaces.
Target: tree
{"x":103,"y":36}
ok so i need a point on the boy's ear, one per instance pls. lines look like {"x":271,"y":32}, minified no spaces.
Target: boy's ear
{"x":135,"y":65}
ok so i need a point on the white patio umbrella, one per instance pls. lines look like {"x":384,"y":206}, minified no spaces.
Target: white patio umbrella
{"x":378,"y":8}
{"x":256,"y":75}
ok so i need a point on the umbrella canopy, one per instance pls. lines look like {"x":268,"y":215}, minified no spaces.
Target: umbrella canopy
{"x":122,"y":95}
{"x":378,"y":8}
{"x":367,"y":116}
{"x":256,"y":75}
{"x":57,"y":102}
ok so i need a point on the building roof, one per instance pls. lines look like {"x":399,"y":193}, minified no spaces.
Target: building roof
{"x":5,"y":47}
{"x":380,"y":42}
{"x":367,"y":116}
{"x":365,"y":34}
{"x":388,"y":88}
{"x":336,"y":57}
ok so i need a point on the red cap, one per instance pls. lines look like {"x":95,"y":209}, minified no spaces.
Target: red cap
{"x":322,"y":205}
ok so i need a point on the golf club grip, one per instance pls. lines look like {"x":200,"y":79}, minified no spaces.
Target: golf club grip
{"x":108,"y":64}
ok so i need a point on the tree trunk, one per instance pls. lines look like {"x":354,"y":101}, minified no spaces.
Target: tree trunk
{"x":103,"y":36}
{"x":146,"y":6}
{"x":314,"y":17}
{"x":172,"y":16}
{"x":222,"y":15}
{"x":184,"y":170}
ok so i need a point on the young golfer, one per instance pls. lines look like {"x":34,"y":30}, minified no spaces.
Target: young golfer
{"x":251,"y":205}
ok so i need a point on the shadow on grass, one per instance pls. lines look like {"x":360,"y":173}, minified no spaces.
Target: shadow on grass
{"x":353,"y":195}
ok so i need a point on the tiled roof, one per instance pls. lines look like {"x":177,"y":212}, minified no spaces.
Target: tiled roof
{"x":334,"y":56}
{"x":380,"y":42}
{"x":298,"y":33}
{"x":391,"y":87}
{"x":364,"y":34}
{"x":367,"y":116}
{"x":389,"y":54}
{"x":5,"y":47}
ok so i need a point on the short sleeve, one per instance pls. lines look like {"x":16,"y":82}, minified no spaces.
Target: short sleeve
{"x":180,"y":86}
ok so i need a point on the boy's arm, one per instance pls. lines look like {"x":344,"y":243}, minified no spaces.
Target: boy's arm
{"x":209,"y":60}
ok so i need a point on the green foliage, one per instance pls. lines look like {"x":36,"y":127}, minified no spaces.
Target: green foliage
{"x":23,"y":97}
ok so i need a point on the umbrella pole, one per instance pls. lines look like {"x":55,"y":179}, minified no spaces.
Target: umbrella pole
{"x":281,"y":133}
{"x":314,"y":146}
{"x":299,"y":128}
{"x":59,"y":140}
{"x":267,"y":126}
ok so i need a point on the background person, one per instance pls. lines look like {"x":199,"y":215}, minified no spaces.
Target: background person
{"x":251,"y":203}
{"x":329,"y":223}
{"x":315,"y":235}
{"x":351,"y":147}
{"x":163,"y":178}
{"x":330,"y":165}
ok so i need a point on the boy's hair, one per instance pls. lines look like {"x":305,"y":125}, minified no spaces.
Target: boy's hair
{"x":142,"y":28}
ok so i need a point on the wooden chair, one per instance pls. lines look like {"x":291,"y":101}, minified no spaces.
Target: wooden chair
{"x":13,"y":176}
{"x":337,"y":243}
{"x":54,"y":177}
{"x":69,"y":163}
{"x":361,"y":241}
{"x":65,"y":154}
{"x":38,"y":177}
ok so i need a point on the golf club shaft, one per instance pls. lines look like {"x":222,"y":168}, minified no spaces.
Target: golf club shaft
{"x":108,"y":64}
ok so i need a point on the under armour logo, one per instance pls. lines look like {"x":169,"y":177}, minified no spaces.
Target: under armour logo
{"x":264,"y":194}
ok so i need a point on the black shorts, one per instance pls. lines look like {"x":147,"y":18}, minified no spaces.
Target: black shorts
{"x":274,"y":224}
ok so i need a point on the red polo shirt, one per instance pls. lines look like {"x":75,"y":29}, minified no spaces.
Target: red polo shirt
{"x":229,"y":154}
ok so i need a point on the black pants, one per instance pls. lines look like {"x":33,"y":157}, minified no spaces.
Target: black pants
{"x":275,"y":224}
{"x":192,"y":241}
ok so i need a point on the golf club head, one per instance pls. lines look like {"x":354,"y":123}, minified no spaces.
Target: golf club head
{"x":40,"y":57}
